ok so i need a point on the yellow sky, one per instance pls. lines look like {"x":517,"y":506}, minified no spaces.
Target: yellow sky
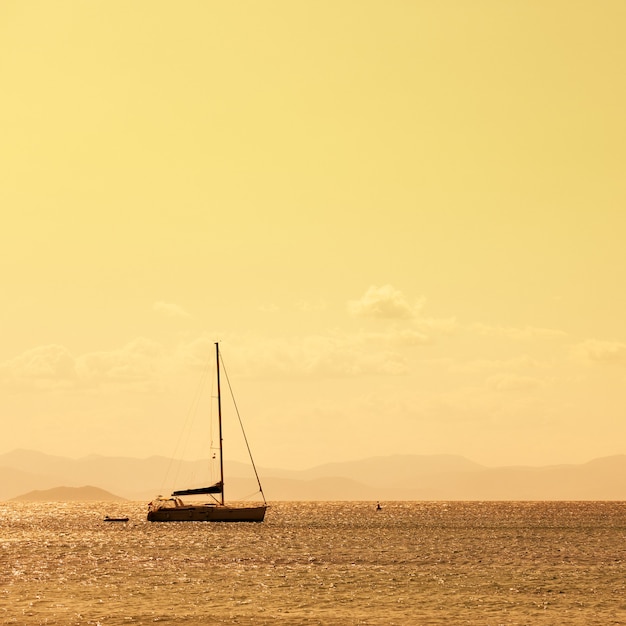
{"x":404,"y":220}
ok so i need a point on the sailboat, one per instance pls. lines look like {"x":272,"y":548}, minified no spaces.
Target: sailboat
{"x":175,"y":509}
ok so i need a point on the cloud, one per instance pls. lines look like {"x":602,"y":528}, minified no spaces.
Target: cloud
{"x":136,"y":361}
{"x":170,"y":309}
{"x":143,"y":364}
{"x":528,"y":332}
{"x":324,"y":355}
{"x":42,"y":367}
{"x":196,"y":352}
{"x":54,"y":367}
{"x":601,"y":351}
{"x":388,"y":350}
{"x":384,"y":302}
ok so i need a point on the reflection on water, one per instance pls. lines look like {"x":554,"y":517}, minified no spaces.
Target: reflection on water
{"x":317,"y":563}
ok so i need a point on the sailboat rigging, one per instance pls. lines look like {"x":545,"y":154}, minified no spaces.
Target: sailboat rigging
{"x":174,"y":509}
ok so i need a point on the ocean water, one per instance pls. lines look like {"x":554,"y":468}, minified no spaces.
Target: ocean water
{"x":325,"y":563}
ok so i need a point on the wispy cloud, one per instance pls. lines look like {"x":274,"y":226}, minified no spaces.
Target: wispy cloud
{"x":384,"y":302}
{"x":54,"y":367}
{"x":404,"y":320}
{"x":169,"y":309}
{"x":136,"y":361}
{"x":47,"y":366}
{"x":601,"y":351}
{"x":324,"y":355}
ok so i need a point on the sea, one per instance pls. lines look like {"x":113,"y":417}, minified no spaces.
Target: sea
{"x":330,"y":563}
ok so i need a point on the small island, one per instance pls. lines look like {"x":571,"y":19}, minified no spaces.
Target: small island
{"x":69,"y":494}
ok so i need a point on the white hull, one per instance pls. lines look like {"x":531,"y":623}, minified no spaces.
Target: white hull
{"x":208,"y":513}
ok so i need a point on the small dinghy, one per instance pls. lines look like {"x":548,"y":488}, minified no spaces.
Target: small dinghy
{"x":115,"y":519}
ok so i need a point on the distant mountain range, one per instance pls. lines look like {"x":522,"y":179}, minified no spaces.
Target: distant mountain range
{"x":401,"y":477}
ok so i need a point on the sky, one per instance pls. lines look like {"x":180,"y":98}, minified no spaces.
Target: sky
{"x":403,"y":221}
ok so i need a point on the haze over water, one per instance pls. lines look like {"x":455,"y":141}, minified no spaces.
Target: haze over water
{"x":318,"y":563}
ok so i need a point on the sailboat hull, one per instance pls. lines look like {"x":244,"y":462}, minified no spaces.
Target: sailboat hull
{"x":210,"y":513}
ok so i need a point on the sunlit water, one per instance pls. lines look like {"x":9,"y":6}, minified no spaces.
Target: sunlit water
{"x":317,"y":563}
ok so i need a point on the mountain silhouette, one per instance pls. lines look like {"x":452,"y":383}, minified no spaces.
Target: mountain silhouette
{"x":399,"y":477}
{"x":69,"y":494}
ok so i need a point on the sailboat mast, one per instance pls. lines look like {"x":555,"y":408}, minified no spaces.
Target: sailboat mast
{"x":219,"y":416}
